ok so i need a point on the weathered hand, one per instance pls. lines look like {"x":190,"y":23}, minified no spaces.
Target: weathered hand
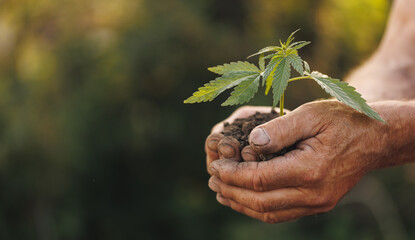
{"x":219,"y":147}
{"x":335,"y":147}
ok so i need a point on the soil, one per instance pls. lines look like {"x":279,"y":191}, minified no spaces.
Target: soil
{"x":242,"y":127}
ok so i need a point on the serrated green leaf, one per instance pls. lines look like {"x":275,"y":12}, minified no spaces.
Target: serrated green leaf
{"x":261,"y":62}
{"x":297,"y":63}
{"x":299,"y":45}
{"x":270,"y":56}
{"x":267,"y":49}
{"x":291,"y":51}
{"x":215,"y":87}
{"x":280,"y":81}
{"x":243,"y":92}
{"x":291,"y":37}
{"x":345,"y":94}
{"x":234,"y":67}
{"x":269,"y":70}
{"x":268,"y":83}
{"x":306,"y":67}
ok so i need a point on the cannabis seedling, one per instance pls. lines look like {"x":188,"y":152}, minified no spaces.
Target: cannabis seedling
{"x":246,"y":78}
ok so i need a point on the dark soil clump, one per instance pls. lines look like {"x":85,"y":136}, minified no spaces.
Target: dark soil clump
{"x":242,"y":127}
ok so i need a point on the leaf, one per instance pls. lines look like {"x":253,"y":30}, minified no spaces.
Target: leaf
{"x":283,"y":46}
{"x":215,"y":87}
{"x":306,"y":67}
{"x":280,"y":81}
{"x":299,"y":45}
{"x":269,"y":71}
{"x":244,"y":91}
{"x":261,"y":62}
{"x":296,"y":63}
{"x":345,"y":94}
{"x":268,"y":83}
{"x":234,"y":67}
{"x":267,"y":49}
{"x":291,"y":37}
{"x":270,"y":56}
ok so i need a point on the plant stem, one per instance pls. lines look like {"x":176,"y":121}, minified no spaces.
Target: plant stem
{"x":299,"y":78}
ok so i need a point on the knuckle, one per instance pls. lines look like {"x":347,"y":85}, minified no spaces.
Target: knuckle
{"x":240,"y":166}
{"x":225,"y":193}
{"x":325,"y":204}
{"x":269,"y":218}
{"x":261,"y":205}
{"x":235,"y":207}
{"x":283,"y":204}
{"x":328,"y":208}
{"x":258,"y":181}
{"x":326,"y":201}
{"x":311,"y":109}
{"x":307,"y":106}
{"x":321,"y":200}
{"x":314,"y":176}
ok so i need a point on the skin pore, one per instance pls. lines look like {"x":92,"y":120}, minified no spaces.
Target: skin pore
{"x":336,"y":146}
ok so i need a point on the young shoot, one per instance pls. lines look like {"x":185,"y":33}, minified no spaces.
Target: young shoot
{"x":274,"y":71}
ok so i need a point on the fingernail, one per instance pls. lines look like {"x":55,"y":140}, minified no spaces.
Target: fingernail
{"x":213,"y":145}
{"x":249,"y":157}
{"x":259,"y":137}
{"x":227,"y":150}
{"x":214,"y":186}
{"x":214,"y":171}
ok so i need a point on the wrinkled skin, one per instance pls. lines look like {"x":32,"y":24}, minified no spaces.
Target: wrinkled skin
{"x":336,"y":147}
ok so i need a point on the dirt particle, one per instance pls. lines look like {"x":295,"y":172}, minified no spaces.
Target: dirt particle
{"x":242,"y":127}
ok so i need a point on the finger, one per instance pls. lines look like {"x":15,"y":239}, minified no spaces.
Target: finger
{"x":270,"y":217}
{"x":222,"y":200}
{"x":211,"y":148}
{"x":285,"y":131}
{"x":285,"y":171}
{"x":248,"y":154}
{"x":285,"y":198}
{"x":229,"y":148}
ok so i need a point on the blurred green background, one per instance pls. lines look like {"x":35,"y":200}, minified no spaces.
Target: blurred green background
{"x":95,"y":142}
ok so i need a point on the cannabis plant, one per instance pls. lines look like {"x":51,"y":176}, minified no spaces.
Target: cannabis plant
{"x":274,"y":71}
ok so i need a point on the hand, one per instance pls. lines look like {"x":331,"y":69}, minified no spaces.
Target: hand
{"x":335,"y":147}
{"x":219,"y":147}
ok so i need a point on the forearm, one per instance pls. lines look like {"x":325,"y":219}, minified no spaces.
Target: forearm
{"x":400,"y":28}
{"x":390,"y":73}
{"x":378,"y":81}
{"x":396,"y":140}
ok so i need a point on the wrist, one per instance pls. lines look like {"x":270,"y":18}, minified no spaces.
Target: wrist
{"x":395,"y":140}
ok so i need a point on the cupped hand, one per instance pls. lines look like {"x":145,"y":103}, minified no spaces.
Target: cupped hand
{"x":335,"y":147}
{"x":218,"y":146}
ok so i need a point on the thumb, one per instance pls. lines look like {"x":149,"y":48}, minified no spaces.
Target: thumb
{"x":285,"y":131}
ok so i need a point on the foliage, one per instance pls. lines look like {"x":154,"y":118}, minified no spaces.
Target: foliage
{"x":94,"y":140}
{"x":245,"y":77}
